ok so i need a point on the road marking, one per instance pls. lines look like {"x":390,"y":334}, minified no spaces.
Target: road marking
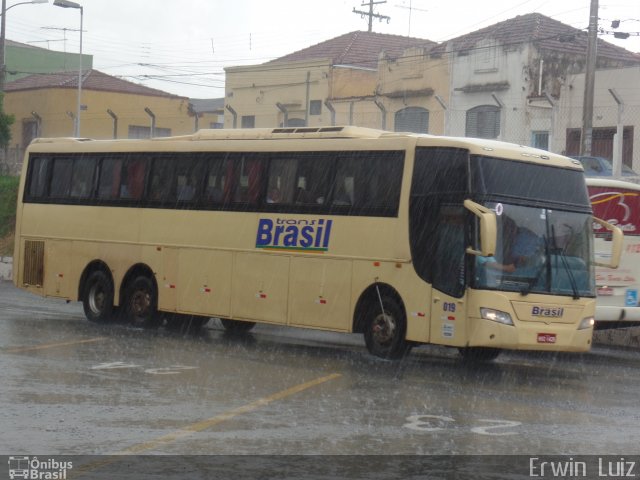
{"x":53,"y":345}
{"x":223,"y":417}
{"x":205,"y":424}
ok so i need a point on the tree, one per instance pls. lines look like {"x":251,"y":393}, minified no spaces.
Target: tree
{"x":6,"y":120}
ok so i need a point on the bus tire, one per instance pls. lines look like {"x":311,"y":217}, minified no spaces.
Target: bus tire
{"x":235,"y":326}
{"x":97,"y":300}
{"x":384,"y":331}
{"x":479,"y":354}
{"x":141,"y":303}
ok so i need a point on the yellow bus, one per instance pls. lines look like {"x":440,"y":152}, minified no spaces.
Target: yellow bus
{"x":405,"y":238}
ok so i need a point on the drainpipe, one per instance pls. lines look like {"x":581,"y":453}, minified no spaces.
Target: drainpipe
{"x":72,"y":117}
{"x":329,"y":106}
{"x":115,"y":122}
{"x":38,"y":123}
{"x":554,"y":108}
{"x":306,"y":108}
{"x":235,"y":115}
{"x":351,"y":113}
{"x":383,"y":111}
{"x":618,"y":137}
{"x":285,"y":112}
{"x":153,"y":121}
{"x":502,"y":114}
{"x":446,"y":113}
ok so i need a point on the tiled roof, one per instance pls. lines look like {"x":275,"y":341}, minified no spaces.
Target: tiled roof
{"x":356,"y":48}
{"x":91,"y":80}
{"x":545,"y":32}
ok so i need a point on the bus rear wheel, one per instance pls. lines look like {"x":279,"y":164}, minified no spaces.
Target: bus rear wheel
{"x":385,"y":329}
{"x":141,"y":303}
{"x":97,"y":300}
{"x":235,"y":326}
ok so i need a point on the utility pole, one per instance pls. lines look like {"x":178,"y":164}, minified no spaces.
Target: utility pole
{"x":589,"y":81}
{"x":370,"y":14}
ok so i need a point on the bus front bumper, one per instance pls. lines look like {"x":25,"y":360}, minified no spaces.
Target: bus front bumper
{"x":529,"y":336}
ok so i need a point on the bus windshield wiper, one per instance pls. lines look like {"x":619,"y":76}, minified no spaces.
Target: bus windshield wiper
{"x":544,"y":266}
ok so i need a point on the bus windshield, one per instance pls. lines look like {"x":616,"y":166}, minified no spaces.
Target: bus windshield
{"x":539,"y":250}
{"x":544,"y":242}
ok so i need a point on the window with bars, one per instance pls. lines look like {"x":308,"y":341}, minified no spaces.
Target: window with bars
{"x":483,"y":121}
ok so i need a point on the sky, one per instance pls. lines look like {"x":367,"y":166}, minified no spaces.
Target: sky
{"x":182,"y":47}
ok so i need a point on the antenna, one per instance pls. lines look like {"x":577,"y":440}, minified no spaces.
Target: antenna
{"x":411,"y":9}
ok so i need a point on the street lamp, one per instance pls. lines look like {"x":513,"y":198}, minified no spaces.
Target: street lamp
{"x":2,"y":36}
{"x":68,"y":4}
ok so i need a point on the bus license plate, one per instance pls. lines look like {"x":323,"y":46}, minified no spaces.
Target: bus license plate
{"x":546,"y":338}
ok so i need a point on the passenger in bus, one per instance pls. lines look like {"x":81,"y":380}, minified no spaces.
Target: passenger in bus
{"x":522,"y":250}
{"x":274,"y":196}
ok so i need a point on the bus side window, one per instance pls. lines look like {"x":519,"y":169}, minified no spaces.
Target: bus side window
{"x":216,"y":181}
{"x":162,"y":180}
{"x":189,"y":180}
{"x":281,"y":180}
{"x":313,"y":179}
{"x":38,"y":169}
{"x":249,"y":179}
{"x":132,"y":185}
{"x":82,"y":185}
{"x":61,"y":177}
{"x":109,"y":178}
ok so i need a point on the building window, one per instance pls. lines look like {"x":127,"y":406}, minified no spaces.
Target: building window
{"x":138,"y":131}
{"x":296,"y":122}
{"x":483,"y":122}
{"x":540,"y":140}
{"x":29,"y":132}
{"x":248,"y":121}
{"x":412,"y":119}
{"x":315,"y":107}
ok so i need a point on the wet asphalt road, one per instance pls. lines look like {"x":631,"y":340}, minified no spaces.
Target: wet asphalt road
{"x":72,"y":387}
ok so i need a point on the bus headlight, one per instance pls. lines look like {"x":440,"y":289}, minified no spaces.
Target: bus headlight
{"x":496,"y":316}
{"x":586,"y":323}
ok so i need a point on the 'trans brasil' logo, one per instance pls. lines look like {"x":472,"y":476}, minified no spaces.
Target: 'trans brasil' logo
{"x":297,"y":235}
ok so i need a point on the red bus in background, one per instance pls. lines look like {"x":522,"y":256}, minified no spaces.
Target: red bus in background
{"x":618,"y":291}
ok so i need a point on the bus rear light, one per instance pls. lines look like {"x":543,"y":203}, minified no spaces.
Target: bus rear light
{"x":496,"y":316}
{"x":321,"y":301}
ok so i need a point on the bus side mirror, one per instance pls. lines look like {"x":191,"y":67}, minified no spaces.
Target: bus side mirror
{"x":616,"y":244}
{"x":488,"y":229}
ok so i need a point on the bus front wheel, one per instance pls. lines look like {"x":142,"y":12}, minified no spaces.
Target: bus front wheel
{"x":142,"y":303}
{"x":385,"y":329}
{"x":97,"y":300}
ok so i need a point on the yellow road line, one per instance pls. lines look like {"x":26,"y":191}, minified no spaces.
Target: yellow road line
{"x":205,"y":424}
{"x":53,"y":345}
